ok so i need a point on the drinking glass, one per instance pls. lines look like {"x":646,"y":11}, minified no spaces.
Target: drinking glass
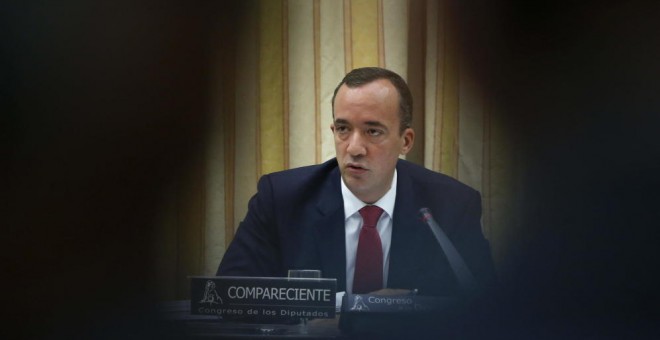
{"x":304,"y":274}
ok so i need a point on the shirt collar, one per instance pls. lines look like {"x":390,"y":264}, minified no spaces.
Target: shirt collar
{"x":352,"y":204}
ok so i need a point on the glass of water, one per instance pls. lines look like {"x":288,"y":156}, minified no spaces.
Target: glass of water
{"x":304,"y":274}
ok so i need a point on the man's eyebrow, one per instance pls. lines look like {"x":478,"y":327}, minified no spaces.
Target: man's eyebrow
{"x":376,"y":124}
{"x":369,"y":123}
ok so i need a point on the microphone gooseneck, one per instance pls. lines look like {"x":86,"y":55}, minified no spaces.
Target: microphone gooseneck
{"x":464,"y":276}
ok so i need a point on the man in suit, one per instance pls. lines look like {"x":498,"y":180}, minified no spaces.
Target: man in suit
{"x":312,"y":217}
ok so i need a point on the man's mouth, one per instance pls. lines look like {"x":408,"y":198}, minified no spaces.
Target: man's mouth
{"x":357,"y":168}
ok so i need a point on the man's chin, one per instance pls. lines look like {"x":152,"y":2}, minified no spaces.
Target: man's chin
{"x":356,"y":185}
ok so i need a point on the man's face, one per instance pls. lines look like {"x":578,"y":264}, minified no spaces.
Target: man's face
{"x":367,"y":138}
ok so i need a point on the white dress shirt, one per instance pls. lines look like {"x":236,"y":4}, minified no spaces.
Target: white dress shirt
{"x":353,"y":225}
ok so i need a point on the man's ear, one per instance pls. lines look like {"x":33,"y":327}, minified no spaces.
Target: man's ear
{"x":408,"y":140}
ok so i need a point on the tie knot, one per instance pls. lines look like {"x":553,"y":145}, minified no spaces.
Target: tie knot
{"x":370,"y":215}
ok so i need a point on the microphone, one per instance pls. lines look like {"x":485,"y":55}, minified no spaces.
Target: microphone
{"x":464,"y":276}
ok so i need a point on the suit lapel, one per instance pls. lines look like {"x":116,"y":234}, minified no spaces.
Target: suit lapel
{"x":330,"y":232}
{"x":416,"y":260}
{"x":407,"y":231}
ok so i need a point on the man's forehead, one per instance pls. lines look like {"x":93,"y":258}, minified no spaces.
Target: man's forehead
{"x":368,"y":95}
{"x":379,"y":85}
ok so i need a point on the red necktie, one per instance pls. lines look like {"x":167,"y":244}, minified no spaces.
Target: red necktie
{"x":369,"y":259}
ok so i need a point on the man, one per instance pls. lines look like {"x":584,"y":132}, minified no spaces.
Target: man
{"x":312,"y":217}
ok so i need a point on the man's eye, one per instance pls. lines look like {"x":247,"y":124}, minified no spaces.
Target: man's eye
{"x":374,"y":132}
{"x":341,"y":129}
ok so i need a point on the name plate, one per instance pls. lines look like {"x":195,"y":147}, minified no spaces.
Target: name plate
{"x":263,"y":298}
{"x":368,"y":303}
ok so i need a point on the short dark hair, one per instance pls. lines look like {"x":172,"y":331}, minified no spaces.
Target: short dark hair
{"x":365,"y":75}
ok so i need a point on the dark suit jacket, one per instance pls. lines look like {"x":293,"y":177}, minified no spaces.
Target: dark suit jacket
{"x":296,"y":221}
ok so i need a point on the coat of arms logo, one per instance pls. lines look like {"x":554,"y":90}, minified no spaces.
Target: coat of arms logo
{"x":211,"y":295}
{"x":359,"y":304}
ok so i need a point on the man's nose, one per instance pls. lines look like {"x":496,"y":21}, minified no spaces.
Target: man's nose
{"x":356,"y":145}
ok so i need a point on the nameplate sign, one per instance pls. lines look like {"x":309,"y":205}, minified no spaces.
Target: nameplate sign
{"x":263,"y":298}
{"x":369,"y":303}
